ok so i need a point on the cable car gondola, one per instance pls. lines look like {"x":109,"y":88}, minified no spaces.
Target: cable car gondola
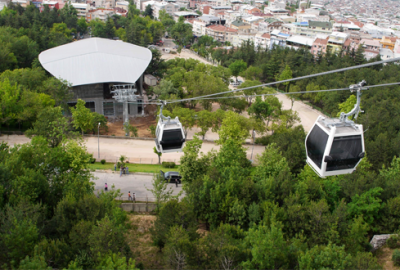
{"x":336,"y":146}
{"x":169,"y":134}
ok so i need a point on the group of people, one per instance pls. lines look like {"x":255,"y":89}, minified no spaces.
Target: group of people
{"x":122,"y":169}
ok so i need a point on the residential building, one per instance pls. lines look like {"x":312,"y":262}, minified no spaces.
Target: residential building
{"x":82,"y":9}
{"x":105,"y":4}
{"x":23,"y":3}
{"x":237,"y":40}
{"x":370,"y":44}
{"x":101,"y":14}
{"x":336,"y":41}
{"x":214,"y":10}
{"x":242,"y":27}
{"x":122,"y":4}
{"x":252,"y":19}
{"x":297,"y":42}
{"x":170,"y":8}
{"x":221,"y":33}
{"x":317,"y":27}
{"x":278,"y":39}
{"x":388,"y":42}
{"x":262,"y":40}
{"x":185,"y":14}
{"x":319,"y":46}
{"x":201,"y":23}
{"x":269,"y":25}
{"x":386,"y":53}
{"x":51,"y":4}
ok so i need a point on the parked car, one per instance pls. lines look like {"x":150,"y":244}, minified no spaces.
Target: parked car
{"x":236,"y":83}
{"x":171,"y":176}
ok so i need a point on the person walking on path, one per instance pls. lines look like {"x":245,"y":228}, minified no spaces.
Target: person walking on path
{"x":105,"y":187}
{"x":120,"y":173}
{"x":115,"y":166}
{"x":129,"y":196}
{"x":176,"y":182}
{"x":126,"y":170}
{"x":134,"y":197}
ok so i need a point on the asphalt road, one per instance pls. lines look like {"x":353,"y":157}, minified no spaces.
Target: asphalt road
{"x":135,"y":183}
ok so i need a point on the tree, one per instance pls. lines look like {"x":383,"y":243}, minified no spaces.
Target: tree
{"x":164,"y":89}
{"x":252,"y":73}
{"x":205,"y":121}
{"x":52,"y":125}
{"x":82,"y":26}
{"x":160,"y":192}
{"x":330,"y":256}
{"x":177,"y":248}
{"x":159,"y":154}
{"x":234,"y":127}
{"x":347,"y":106}
{"x":82,"y":117}
{"x":268,"y":248}
{"x":148,"y":12}
{"x":285,"y":75}
{"x":237,"y":67}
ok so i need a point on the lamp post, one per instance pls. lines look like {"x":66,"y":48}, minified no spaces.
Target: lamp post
{"x":98,"y":141}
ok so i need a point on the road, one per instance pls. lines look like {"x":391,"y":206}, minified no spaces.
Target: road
{"x":135,"y":183}
{"x":137,"y":151}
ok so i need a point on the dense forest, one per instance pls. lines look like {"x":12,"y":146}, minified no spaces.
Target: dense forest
{"x":273,"y":213}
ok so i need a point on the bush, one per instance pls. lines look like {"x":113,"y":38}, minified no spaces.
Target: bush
{"x":92,"y":160}
{"x":103,"y":161}
{"x":173,"y":52}
{"x":392,"y":241}
{"x":168,"y":164}
{"x":396,"y":257}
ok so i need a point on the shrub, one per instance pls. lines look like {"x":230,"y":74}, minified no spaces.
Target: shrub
{"x":92,"y":160}
{"x":152,"y":130}
{"x":168,"y":164}
{"x":392,"y":241}
{"x":103,"y":161}
{"x":396,"y":257}
{"x":173,"y":52}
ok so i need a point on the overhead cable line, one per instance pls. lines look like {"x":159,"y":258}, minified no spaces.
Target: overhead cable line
{"x":301,"y":92}
{"x":290,"y":80}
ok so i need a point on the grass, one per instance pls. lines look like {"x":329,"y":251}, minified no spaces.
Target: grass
{"x":145,"y":168}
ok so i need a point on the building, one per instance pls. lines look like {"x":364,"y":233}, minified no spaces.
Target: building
{"x":200,"y":25}
{"x":297,"y":42}
{"x":336,"y":41}
{"x":370,"y":44}
{"x":241,"y":27}
{"x":269,"y":25}
{"x":278,"y":39}
{"x":237,"y":40}
{"x":388,"y":42}
{"x":317,"y":27}
{"x":221,"y":33}
{"x":122,"y":4}
{"x":319,"y":46}
{"x":82,"y":9}
{"x":93,"y":66}
{"x":23,"y":3}
{"x":215,"y":10}
{"x":170,"y":8}
{"x":185,"y":14}
{"x":101,"y":14}
{"x":262,"y":40}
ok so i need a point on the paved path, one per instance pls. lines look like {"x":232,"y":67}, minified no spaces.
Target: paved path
{"x":135,"y":183}
{"x":137,"y":151}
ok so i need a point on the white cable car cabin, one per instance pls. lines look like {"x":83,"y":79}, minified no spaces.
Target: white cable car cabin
{"x":336,"y":146}
{"x":169,"y":135}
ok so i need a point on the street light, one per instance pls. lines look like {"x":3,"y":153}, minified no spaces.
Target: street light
{"x":98,"y":141}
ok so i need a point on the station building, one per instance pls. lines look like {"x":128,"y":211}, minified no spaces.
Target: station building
{"x":93,"y":66}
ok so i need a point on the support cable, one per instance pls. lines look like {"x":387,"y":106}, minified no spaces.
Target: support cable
{"x":291,"y":80}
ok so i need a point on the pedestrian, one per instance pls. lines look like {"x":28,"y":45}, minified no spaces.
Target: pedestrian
{"x":176,"y":182}
{"x":134,"y":197}
{"x":105,"y":187}
{"x":127,"y":170}
{"x":115,"y":166}
{"x":129,"y":196}
{"x":120,"y":172}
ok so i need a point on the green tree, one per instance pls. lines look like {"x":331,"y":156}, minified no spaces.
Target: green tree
{"x":159,"y":154}
{"x":82,"y":117}
{"x":160,"y":191}
{"x":205,"y":121}
{"x":237,"y":67}
{"x":52,"y":125}
{"x":148,"y":12}
{"x":285,"y":75}
{"x":177,"y":248}
{"x":82,"y":26}
{"x":330,"y":256}
{"x":234,"y":126}
{"x":164,"y":89}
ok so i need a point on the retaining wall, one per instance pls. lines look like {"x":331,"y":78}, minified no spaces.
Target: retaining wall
{"x":138,"y":207}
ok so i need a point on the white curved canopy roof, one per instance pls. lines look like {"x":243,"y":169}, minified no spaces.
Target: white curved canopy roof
{"x":96,"y":60}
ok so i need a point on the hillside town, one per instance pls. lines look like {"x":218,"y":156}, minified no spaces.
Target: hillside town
{"x":318,"y":25}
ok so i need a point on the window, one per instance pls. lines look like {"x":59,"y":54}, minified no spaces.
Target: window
{"x":90,"y":105}
{"x":345,"y":152}
{"x":316,"y":144}
{"x":108,"y":108}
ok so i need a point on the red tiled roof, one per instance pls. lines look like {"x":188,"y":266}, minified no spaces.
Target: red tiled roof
{"x":321,"y":41}
{"x":221,"y":28}
{"x":266,"y":35}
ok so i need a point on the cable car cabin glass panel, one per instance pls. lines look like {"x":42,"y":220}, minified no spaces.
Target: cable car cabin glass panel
{"x":316,"y":144}
{"x":345,"y":153}
{"x":172,"y":139}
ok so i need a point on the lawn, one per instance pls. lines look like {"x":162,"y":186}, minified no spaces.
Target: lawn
{"x":146,"y":168}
